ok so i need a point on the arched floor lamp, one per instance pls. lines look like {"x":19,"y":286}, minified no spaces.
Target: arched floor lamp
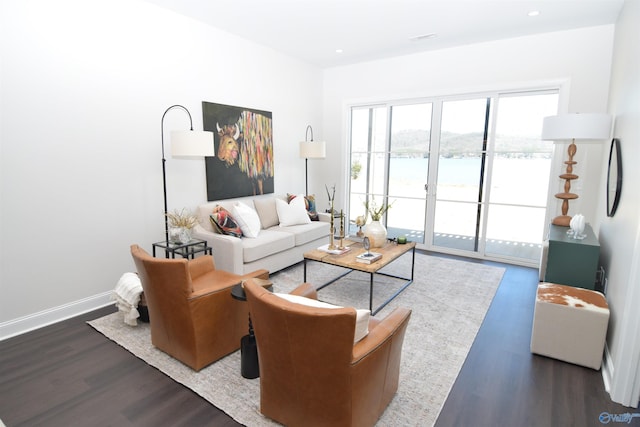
{"x":186,"y":145}
{"x":310,"y":150}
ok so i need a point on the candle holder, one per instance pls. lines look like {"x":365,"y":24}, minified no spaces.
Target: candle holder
{"x":341,"y":246}
{"x":332,"y":228}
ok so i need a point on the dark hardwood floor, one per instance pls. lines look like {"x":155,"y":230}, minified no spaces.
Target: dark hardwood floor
{"x":502,"y":384}
{"x":68,"y":374}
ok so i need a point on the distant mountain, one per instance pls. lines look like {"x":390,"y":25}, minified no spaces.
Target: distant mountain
{"x":415,"y":143}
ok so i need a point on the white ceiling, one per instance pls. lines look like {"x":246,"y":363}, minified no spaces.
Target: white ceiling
{"x":312,"y":30}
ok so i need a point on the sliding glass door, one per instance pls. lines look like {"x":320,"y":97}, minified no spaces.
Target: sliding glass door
{"x":390,"y":164}
{"x":465,"y":175}
{"x":519,"y":180}
{"x":409,"y":147}
{"x":462,"y":160}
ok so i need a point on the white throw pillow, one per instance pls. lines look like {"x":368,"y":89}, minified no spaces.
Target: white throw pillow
{"x":247,"y":219}
{"x":362,"y":316}
{"x":293,"y":213}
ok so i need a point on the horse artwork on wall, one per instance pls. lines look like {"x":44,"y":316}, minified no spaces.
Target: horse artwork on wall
{"x":243,"y":165}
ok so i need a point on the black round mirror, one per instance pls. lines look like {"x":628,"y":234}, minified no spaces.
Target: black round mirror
{"x":614,"y":177}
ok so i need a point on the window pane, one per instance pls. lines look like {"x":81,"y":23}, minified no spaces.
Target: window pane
{"x":408,"y":176}
{"x":410,"y":130}
{"x":359,"y":172}
{"x":462,"y":140}
{"x":409,"y":153}
{"x":379,"y":129}
{"x":514,"y":231}
{"x":368,"y":133}
{"x":463,"y":127}
{"x":522,"y":161}
{"x":356,"y":208}
{"x":519,"y":123}
{"x":521,"y":180}
{"x":406,"y":216}
{"x":455,"y":225}
{"x":458,"y":178}
{"x":368,"y":153}
{"x":360,"y":130}
{"x":376,"y":175}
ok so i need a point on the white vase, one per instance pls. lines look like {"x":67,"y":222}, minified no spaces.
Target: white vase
{"x":179,"y":235}
{"x":376,"y":233}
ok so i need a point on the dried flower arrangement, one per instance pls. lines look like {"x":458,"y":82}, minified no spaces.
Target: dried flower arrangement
{"x":182,"y":219}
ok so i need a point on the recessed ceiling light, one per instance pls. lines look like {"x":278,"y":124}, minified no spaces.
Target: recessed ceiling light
{"x":339,"y":51}
{"x":423,"y":37}
{"x":534,"y":13}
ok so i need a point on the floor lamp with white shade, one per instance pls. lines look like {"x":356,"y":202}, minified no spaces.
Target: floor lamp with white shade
{"x":311,"y":150}
{"x":188,"y":144}
{"x":572,"y":127}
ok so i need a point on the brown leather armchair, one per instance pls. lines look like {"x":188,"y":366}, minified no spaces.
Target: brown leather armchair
{"x":312,"y":373}
{"x":193,"y":316}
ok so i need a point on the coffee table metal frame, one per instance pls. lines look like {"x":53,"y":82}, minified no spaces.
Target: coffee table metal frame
{"x":347,"y":260}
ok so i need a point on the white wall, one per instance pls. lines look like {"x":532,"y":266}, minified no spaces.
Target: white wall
{"x":84,"y":85}
{"x":506,"y":64}
{"x":620,"y":235}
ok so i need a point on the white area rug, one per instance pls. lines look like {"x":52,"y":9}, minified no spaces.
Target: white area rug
{"x":448,"y":299}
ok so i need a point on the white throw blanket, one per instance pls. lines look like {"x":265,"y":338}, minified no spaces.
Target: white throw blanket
{"x":127,"y":297}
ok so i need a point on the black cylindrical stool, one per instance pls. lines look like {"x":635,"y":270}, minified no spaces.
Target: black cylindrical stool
{"x":248,"y":349}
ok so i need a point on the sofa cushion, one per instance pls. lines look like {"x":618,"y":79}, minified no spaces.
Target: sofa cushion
{"x":224,"y":223}
{"x":293,"y":213}
{"x":266,"y":208}
{"x":306,"y":233}
{"x":267,"y":243}
{"x":362,"y":316}
{"x":247,"y":219}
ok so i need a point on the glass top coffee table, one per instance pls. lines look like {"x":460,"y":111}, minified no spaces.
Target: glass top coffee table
{"x":390,"y":252}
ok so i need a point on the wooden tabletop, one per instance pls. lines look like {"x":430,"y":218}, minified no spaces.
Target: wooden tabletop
{"x":390,"y":252}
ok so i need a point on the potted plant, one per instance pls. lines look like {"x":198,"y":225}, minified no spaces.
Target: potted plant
{"x":181,"y":224}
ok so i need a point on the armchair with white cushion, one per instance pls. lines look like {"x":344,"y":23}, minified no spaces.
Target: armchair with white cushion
{"x":311,"y":371}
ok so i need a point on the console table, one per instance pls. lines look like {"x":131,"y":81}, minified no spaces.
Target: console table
{"x":570,"y":261}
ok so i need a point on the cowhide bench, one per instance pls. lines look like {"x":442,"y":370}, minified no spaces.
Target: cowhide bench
{"x":570,"y":324}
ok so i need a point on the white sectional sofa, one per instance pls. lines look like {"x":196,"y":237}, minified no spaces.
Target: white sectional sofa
{"x":275,"y":247}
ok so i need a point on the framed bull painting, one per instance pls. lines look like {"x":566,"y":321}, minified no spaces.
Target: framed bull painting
{"x":243,"y":165}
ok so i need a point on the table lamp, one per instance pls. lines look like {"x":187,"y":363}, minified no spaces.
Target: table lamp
{"x":573,"y":126}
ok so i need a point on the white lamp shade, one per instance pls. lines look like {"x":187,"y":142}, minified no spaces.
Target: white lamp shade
{"x":313,"y":150}
{"x":576,"y":126}
{"x":190,"y":144}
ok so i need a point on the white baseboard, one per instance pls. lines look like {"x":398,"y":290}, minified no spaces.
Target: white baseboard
{"x":607,"y":369}
{"x":47,"y":317}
